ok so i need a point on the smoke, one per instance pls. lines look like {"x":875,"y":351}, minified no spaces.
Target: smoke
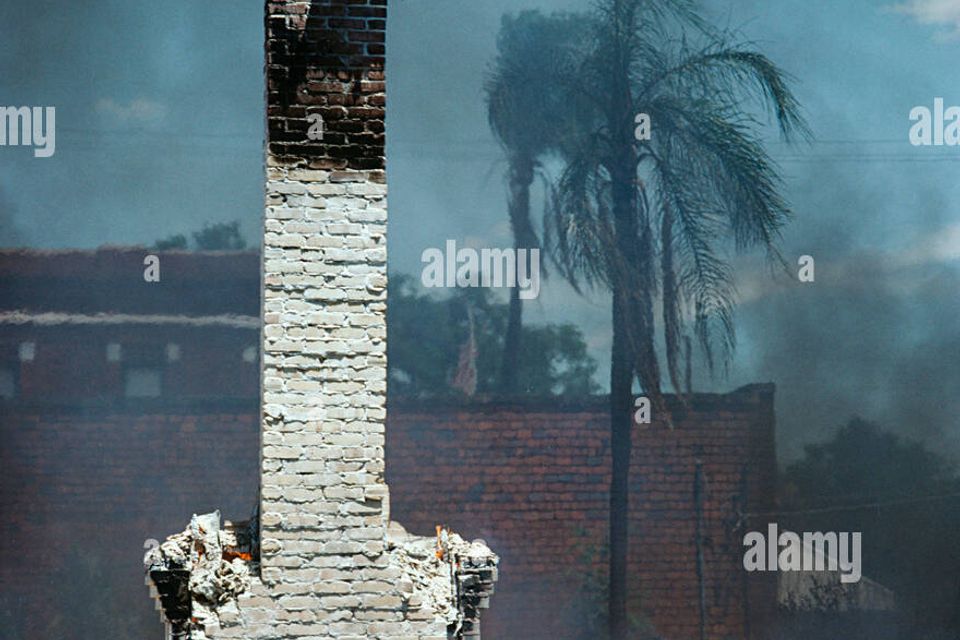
{"x":941,"y":13}
{"x":876,"y":333}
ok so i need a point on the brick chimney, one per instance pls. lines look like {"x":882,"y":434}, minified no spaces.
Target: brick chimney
{"x":322,"y":559}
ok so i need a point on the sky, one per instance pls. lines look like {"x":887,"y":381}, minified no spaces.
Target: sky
{"x":160,"y":130}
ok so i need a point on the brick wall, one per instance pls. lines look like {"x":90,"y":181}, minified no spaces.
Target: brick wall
{"x":110,"y":280}
{"x":70,"y":362}
{"x":327,"y":58}
{"x":82,"y":489}
{"x":530,"y":478}
{"x":325,"y":567}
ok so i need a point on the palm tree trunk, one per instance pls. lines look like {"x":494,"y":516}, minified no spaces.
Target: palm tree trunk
{"x":621,"y":423}
{"x":510,"y":363}
{"x":521,"y":177}
{"x":629,"y":296}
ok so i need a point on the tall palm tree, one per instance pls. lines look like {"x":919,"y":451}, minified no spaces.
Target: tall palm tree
{"x":651,"y":220}
{"x":523,"y":109}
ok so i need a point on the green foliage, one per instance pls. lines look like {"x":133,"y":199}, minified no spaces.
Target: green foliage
{"x":586,"y":612}
{"x":220,"y":236}
{"x":523,"y":109}
{"x":649,"y":217}
{"x":426,"y":333}
{"x":177,"y":241}
{"x":847,"y":466}
{"x":554,"y":360}
{"x":653,"y":216}
{"x":906,"y":501}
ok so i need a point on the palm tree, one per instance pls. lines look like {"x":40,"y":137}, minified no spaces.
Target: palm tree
{"x":523,"y":109}
{"x":650,"y":220}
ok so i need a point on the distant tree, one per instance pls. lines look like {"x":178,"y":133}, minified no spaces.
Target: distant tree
{"x":177,"y":241}
{"x":904,"y":498}
{"x":219,"y":236}
{"x":555,"y":361}
{"x":524,"y":115}
{"x":426,"y":332}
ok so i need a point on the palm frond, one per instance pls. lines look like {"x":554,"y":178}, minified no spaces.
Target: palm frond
{"x":727,"y":73}
{"x":709,"y":175}
{"x":577,"y":228}
{"x":704,"y":280}
{"x":728,"y":165}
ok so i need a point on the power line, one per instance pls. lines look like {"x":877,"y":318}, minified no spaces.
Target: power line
{"x":160,"y":133}
{"x":843,"y":141}
{"x":856,"y":507}
{"x":486,"y":140}
{"x":482,"y":146}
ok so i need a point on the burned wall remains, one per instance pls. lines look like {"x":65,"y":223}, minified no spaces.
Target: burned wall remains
{"x":322,"y":558}
{"x":538,"y":473}
{"x":536,"y":491}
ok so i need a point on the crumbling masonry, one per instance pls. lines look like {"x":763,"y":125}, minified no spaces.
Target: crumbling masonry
{"x":321,"y":558}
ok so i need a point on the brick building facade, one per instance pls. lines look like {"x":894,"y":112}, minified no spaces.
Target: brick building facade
{"x":532,"y":478}
{"x":127,"y":410}
{"x":77,"y":445}
{"x":536,"y":491}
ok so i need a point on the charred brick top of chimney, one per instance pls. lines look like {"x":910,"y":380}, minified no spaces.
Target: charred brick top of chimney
{"x":327,"y":59}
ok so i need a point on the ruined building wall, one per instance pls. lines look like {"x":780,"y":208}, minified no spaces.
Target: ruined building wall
{"x":324,"y":279}
{"x":536,"y":491}
{"x":327,"y":565}
{"x":320,"y":562}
